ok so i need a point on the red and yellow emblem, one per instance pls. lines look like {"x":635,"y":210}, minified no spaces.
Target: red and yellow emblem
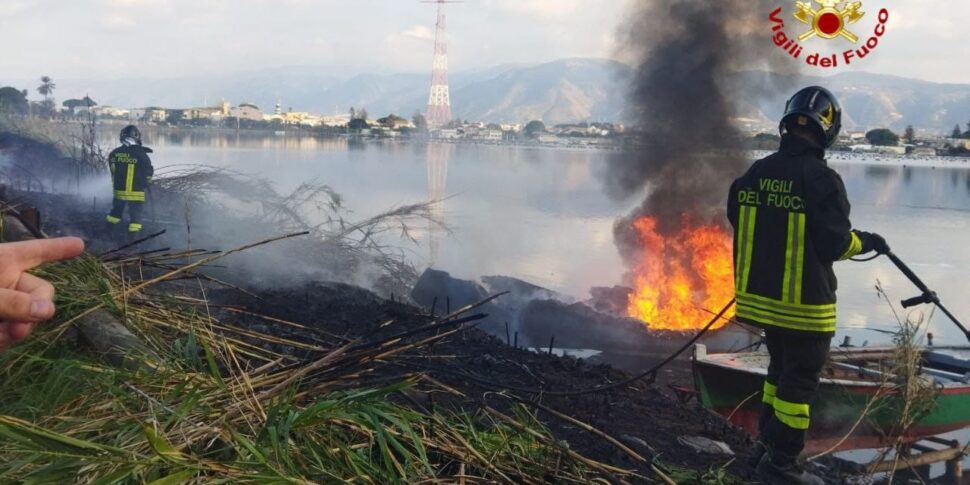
{"x":829,"y":21}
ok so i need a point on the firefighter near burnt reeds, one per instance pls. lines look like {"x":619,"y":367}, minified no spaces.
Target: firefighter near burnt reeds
{"x":131,"y":175}
{"x":790,"y":214}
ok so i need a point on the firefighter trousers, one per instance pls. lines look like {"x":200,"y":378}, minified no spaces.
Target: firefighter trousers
{"x":796,"y":365}
{"x":134,"y":213}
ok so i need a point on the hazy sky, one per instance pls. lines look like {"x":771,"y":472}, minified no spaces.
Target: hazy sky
{"x":177,"y":38}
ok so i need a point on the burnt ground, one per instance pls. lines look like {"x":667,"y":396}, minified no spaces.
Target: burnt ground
{"x":478,"y":364}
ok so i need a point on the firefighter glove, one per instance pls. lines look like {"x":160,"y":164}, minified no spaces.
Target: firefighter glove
{"x":873,"y":242}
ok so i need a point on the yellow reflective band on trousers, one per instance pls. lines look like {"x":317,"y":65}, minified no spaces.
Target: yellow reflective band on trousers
{"x":113,"y":220}
{"x":793,"y":415}
{"x":745,"y":241}
{"x":129,"y":196}
{"x":854,"y":249}
{"x":804,"y":317}
{"x":768,"y":393}
{"x":791,"y":289}
{"x":133,"y":227}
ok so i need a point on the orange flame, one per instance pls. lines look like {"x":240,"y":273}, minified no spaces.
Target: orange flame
{"x":681,"y":279}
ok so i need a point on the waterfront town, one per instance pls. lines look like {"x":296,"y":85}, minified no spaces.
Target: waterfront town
{"x":358,"y":123}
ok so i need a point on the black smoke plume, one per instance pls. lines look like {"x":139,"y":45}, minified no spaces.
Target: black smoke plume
{"x":687,"y":55}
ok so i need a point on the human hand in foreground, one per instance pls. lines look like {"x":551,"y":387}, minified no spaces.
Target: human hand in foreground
{"x":26,"y":299}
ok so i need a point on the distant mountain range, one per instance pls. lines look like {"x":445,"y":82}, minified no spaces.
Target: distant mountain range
{"x":561,"y":91}
{"x":869,"y":100}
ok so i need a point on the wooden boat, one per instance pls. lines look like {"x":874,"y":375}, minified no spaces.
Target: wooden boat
{"x":730,"y":384}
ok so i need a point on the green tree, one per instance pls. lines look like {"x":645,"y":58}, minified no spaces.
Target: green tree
{"x":882,"y":137}
{"x":358,"y":120}
{"x":391,"y":120}
{"x":533,"y":128}
{"x":957,"y":133}
{"x":13,"y":100}
{"x":420,"y":122}
{"x":910,"y":135}
{"x":358,"y":124}
{"x":73,"y":103}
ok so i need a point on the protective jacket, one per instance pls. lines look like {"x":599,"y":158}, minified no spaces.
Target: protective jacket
{"x":131,"y":172}
{"x":790,"y":215}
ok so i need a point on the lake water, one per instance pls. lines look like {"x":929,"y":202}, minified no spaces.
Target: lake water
{"x":540,"y":214}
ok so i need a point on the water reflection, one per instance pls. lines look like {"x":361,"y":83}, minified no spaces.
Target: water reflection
{"x":438,"y":157}
{"x":925,"y":216}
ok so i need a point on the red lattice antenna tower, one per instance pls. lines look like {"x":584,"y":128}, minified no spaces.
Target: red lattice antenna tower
{"x":439,"y":101}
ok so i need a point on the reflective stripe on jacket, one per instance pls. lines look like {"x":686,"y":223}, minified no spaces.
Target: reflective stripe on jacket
{"x":790,"y":215}
{"x":131,"y":171}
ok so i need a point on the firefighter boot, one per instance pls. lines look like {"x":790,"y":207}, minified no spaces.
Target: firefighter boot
{"x":785,"y":472}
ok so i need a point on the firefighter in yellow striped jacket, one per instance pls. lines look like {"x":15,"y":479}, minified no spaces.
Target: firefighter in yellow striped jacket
{"x":131,"y":172}
{"x":790,"y":214}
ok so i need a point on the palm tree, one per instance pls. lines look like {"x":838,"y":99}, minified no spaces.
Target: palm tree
{"x":46,"y":89}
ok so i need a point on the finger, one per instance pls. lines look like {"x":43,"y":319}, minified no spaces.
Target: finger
{"x":38,"y":288}
{"x":29,"y":254}
{"x":4,"y":338}
{"x":16,"y":332}
{"x":17,"y":306}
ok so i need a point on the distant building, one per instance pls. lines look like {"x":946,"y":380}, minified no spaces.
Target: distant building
{"x":548,"y":139}
{"x":398,"y":123}
{"x":150,"y":114}
{"x":889,"y":150}
{"x":490,"y":135}
{"x":923,"y":152}
{"x":246,"y":111}
{"x":214,"y":113}
{"x":110,"y":111}
{"x":384,"y":132}
{"x":300,"y":118}
{"x":447,"y":134}
{"x":336,"y":121}
{"x":958,"y":143}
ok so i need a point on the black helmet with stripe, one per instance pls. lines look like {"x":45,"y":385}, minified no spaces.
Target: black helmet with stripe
{"x":817,"y":109}
{"x":130,"y":135}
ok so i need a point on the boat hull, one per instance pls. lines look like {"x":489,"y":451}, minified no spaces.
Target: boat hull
{"x":735,"y":393}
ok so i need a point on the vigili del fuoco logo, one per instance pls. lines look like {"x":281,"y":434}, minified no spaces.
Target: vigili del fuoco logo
{"x":833,"y":21}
